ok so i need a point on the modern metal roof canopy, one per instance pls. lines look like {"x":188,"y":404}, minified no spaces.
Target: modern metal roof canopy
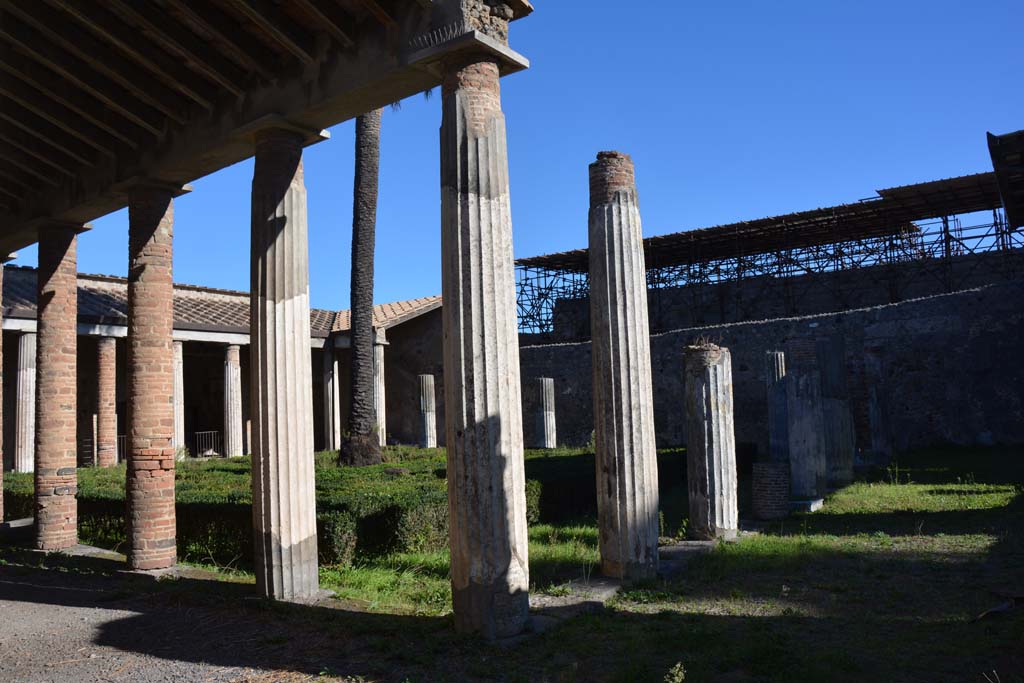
{"x":95,"y":95}
{"x":1007,"y":153}
{"x":892,"y":212}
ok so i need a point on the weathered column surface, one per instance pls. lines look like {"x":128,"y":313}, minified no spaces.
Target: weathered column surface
{"x":232,"y":402}
{"x":626,"y":456}
{"x":483,"y":409}
{"x":545,"y":434}
{"x":775,"y":374}
{"x":840,"y":440}
{"x":805,"y":421}
{"x":710,"y":443}
{"x":379,"y":394}
{"x":56,"y":474}
{"x":106,"y":390}
{"x":428,"y":412}
{"x":284,"y":503}
{"x":25,"y":405}
{"x":179,"y":400}
{"x":152,"y":379}
{"x":332,"y":400}
{"x":2,"y":261}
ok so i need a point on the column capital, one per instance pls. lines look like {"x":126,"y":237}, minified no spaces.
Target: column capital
{"x":137,"y":184}
{"x":259,"y":128}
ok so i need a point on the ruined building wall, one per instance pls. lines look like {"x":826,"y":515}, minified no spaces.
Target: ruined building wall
{"x":947,"y":368}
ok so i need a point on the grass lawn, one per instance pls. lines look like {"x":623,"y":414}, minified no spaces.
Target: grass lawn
{"x":884,"y":583}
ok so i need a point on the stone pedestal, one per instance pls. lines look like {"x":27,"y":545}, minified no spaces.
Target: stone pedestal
{"x":179,"y":401}
{"x":545,"y":434}
{"x":770,"y":490}
{"x":840,"y":439}
{"x":283,"y":493}
{"x":805,"y":422}
{"x":56,"y":474}
{"x":106,"y":389}
{"x":428,"y":412}
{"x":25,"y":405}
{"x":483,"y":409}
{"x":232,"y":402}
{"x":775,"y":374}
{"x":626,"y":459}
{"x":153,"y":369}
{"x":379,"y":394}
{"x":332,"y":399}
{"x":710,"y":443}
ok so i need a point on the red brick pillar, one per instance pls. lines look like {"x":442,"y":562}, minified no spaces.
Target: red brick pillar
{"x":56,"y":476}
{"x":150,"y":475}
{"x":106,"y":427}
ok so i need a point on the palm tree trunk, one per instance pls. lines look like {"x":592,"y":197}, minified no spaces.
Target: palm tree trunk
{"x":361,"y":446}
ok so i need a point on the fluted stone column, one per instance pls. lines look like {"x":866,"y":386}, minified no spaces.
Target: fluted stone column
{"x":626,"y":456}
{"x":25,"y":405}
{"x":805,"y":421}
{"x":840,"y":440}
{"x":56,"y":473}
{"x":545,"y":434}
{"x":332,"y":399}
{"x":710,"y":443}
{"x":2,"y":261}
{"x":379,"y":393}
{"x":428,"y":412}
{"x":152,"y":373}
{"x":179,"y":400}
{"x":106,"y":391}
{"x":232,"y":402}
{"x":775,"y":374}
{"x":284,"y":502}
{"x":483,"y":409}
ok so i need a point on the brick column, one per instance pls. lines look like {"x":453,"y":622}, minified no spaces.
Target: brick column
{"x":106,"y":384}
{"x":483,"y":406}
{"x":25,"y":405}
{"x":626,"y":456}
{"x":179,"y":401}
{"x":232,"y":402}
{"x":283,"y":493}
{"x":56,"y":474}
{"x":150,"y":475}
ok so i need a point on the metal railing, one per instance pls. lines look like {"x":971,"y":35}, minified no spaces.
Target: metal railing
{"x":206,"y":444}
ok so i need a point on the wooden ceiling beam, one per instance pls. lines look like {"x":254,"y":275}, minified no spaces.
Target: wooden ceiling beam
{"x":247,"y":49}
{"x":269,"y":18}
{"x":91,"y":83}
{"x":337,"y":22}
{"x":56,"y":159}
{"x":6,"y":190}
{"x":14,"y":179}
{"x":42,"y":25}
{"x":19,"y":159}
{"x":48,"y":134}
{"x":380,"y":14}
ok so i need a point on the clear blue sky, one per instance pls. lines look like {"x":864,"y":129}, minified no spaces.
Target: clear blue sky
{"x":731,"y":110}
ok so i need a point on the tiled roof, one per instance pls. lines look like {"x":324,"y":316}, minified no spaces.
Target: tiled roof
{"x":103,"y":299}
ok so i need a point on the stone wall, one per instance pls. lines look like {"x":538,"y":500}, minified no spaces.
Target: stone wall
{"x":946,"y":367}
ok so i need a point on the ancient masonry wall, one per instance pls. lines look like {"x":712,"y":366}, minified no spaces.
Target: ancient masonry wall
{"x":946,"y":367}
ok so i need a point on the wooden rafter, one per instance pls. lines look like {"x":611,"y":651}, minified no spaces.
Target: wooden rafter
{"x":17,"y":116}
{"x":246,"y":49}
{"x":334,"y":19}
{"x":282,"y":30}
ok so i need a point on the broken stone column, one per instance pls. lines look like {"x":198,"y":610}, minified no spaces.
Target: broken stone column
{"x":379,"y":394}
{"x":710,"y":443}
{"x":483,"y":409}
{"x":232,"y":402}
{"x":805,"y":422}
{"x":106,"y":389}
{"x":544,"y":434}
{"x":428,"y":412}
{"x":153,"y":366}
{"x":179,"y":400}
{"x":840,"y":440}
{"x":283,"y":493}
{"x":626,"y":456}
{"x":775,"y":373}
{"x":56,"y":473}
{"x":332,"y":399}
{"x":25,"y":405}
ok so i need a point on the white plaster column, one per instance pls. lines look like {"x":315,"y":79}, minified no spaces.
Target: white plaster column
{"x":710,"y":443}
{"x":25,"y":406}
{"x":332,"y":399}
{"x":483,"y":404}
{"x":283,"y":492}
{"x":775,"y":374}
{"x":626,"y":456}
{"x":379,"y":393}
{"x":179,"y":399}
{"x":428,"y":412}
{"x":545,"y":433}
{"x":232,"y":402}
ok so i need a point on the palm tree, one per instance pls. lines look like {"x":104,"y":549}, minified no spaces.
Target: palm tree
{"x":362,"y":446}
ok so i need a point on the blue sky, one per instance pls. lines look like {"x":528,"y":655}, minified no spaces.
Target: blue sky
{"x":731,"y":110}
